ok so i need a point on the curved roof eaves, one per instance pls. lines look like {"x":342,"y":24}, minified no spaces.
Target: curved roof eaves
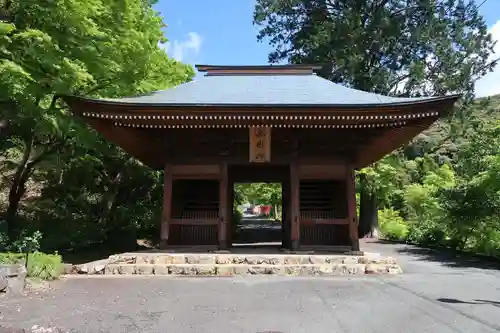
{"x":282,"y":91}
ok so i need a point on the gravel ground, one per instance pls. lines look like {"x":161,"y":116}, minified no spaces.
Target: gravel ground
{"x":438,"y":293}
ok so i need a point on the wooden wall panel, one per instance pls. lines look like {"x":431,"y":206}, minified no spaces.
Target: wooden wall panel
{"x":193,"y":234}
{"x":324,"y":235}
{"x":327,"y":171}
{"x":209,"y":171}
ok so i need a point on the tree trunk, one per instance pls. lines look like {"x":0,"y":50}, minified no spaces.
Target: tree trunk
{"x":16,"y":192}
{"x":114,"y":231}
{"x":374,"y":227}
{"x":368,"y":210}
{"x":108,"y":198}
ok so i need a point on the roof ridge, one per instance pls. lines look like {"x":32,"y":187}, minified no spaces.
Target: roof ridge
{"x":257,"y":69}
{"x":259,"y":74}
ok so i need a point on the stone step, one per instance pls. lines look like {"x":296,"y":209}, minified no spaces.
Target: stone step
{"x":237,"y":264}
{"x":246,"y":269}
{"x":221,"y":259}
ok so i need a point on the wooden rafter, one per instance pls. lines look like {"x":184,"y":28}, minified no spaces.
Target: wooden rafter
{"x":389,"y":141}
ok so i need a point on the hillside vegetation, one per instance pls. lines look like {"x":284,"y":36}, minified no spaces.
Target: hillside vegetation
{"x":451,"y":195}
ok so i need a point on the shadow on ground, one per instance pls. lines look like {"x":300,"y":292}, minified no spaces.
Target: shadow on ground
{"x":99,"y":252}
{"x":257,"y":229}
{"x":476,"y":301}
{"x":447,"y":257}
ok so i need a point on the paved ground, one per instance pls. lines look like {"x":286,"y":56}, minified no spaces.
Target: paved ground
{"x":257,"y":229}
{"x":436,"y":294}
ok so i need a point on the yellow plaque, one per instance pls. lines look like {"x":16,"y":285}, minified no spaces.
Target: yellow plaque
{"x":260,"y":144}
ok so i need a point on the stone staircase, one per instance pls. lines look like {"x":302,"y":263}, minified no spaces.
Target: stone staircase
{"x":214,"y":264}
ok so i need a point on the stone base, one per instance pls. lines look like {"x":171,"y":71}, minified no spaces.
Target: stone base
{"x":219,"y":264}
{"x":12,"y":278}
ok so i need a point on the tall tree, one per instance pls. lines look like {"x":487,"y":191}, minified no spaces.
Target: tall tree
{"x":105,"y":48}
{"x":394,"y":47}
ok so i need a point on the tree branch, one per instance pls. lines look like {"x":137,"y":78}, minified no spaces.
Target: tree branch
{"x":98,"y":87}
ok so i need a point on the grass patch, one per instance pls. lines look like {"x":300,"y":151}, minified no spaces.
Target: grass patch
{"x":40,"y":265}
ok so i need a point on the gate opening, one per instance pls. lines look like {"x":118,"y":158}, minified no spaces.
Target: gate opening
{"x":258,"y":213}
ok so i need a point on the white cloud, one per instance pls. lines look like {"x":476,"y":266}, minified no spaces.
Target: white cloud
{"x":188,"y":47}
{"x":490,"y":83}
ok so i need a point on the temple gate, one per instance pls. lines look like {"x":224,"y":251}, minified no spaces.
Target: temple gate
{"x":260,"y":123}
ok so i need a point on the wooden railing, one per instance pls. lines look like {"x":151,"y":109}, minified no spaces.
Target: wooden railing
{"x":324,"y":234}
{"x":195,"y":228}
{"x":199,"y":216}
{"x":193,"y":234}
{"x":311,"y":218}
{"x":322,"y":228}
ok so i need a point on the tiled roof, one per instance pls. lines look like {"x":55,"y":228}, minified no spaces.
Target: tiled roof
{"x":265,"y":90}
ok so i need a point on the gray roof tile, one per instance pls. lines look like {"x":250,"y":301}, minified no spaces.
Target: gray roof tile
{"x":269,"y":90}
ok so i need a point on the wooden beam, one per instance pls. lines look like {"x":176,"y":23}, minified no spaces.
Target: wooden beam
{"x":132,"y":141}
{"x":167,"y":206}
{"x":223,"y":206}
{"x":351,"y":207}
{"x":194,"y":159}
{"x":203,"y":222}
{"x":305,"y":221}
{"x":389,"y":141}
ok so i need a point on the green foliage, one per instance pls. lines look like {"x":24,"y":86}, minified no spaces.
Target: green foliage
{"x":261,"y":194}
{"x":415,"y":47}
{"x":236,"y":222}
{"x":12,"y":258}
{"x":44,"y":266}
{"x":456,"y":206}
{"x":58,"y":176}
{"x":40,"y":265}
{"x":444,"y":183}
{"x":26,"y":244}
{"x":392,"y":225}
{"x":61,"y":180}
{"x":385,"y":178}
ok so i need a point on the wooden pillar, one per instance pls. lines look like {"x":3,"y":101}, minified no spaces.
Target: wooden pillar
{"x":285,"y":213}
{"x":295,"y":205}
{"x":167,"y":206}
{"x":223,"y":206}
{"x":230,"y":221}
{"x":351,"y":208}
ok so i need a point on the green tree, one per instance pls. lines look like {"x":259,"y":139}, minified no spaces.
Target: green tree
{"x":102,"y":48}
{"x":394,"y":47}
{"x":472,"y":205}
{"x":262,"y":194}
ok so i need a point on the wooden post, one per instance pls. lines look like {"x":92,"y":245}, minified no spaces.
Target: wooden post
{"x":285,"y":213}
{"x":223,"y":206}
{"x":351,"y":208}
{"x":295,"y":205}
{"x":230,"y":221}
{"x":167,"y":206}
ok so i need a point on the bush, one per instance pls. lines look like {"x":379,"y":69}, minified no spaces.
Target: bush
{"x":392,"y":225}
{"x":426,"y":233}
{"x":235,"y":223}
{"x":40,"y":265}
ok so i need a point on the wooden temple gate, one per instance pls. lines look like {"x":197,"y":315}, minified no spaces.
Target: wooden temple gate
{"x":260,"y":123}
{"x":198,"y":203}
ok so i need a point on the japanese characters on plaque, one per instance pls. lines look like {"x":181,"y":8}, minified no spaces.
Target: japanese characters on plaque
{"x":260,"y":144}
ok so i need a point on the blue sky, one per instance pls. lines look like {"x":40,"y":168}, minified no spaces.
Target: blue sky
{"x":220,"y":32}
